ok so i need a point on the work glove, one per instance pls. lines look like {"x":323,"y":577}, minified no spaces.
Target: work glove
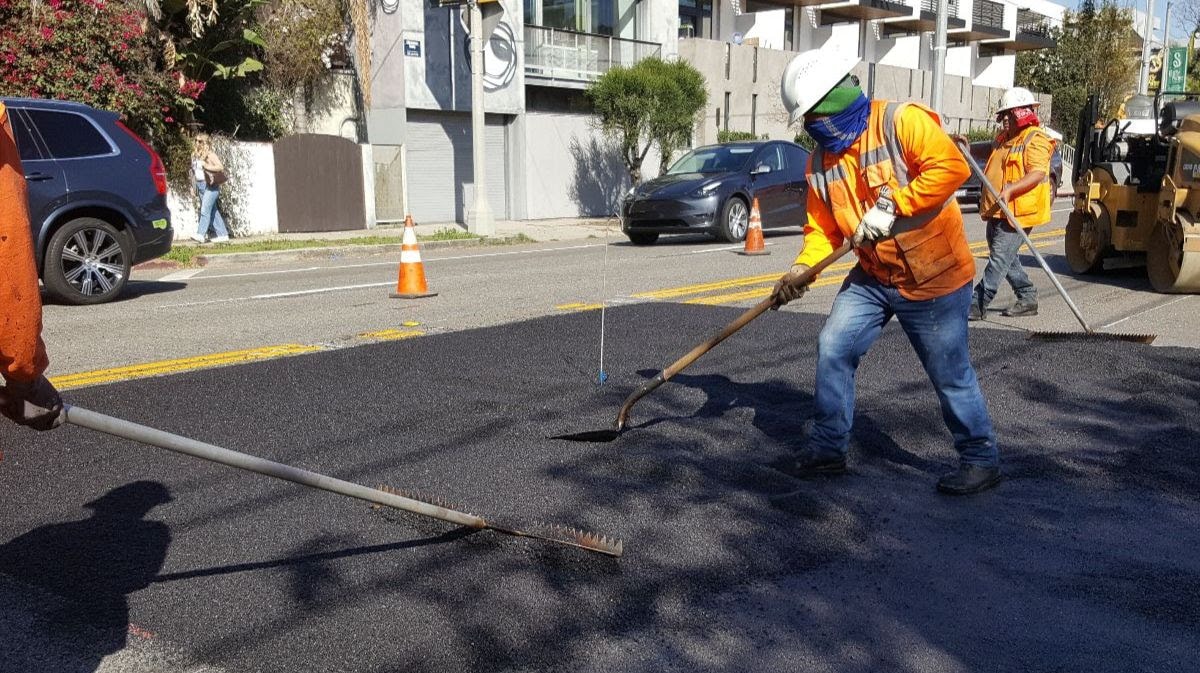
{"x":788,"y":287}
{"x":877,"y":222}
{"x":34,"y":404}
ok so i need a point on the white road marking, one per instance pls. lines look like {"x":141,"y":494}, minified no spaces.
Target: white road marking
{"x":1139,"y":313}
{"x":181,"y":275}
{"x":278,"y":295}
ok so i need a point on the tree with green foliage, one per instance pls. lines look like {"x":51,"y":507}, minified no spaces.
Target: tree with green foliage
{"x":654,"y":102}
{"x":1096,"y":54}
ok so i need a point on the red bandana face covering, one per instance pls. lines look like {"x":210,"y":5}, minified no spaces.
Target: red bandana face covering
{"x":1024,"y":117}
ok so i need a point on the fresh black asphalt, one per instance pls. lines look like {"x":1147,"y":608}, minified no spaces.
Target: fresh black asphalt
{"x":1083,"y":560}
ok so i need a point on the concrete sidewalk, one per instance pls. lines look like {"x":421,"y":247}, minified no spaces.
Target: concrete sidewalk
{"x":538,"y":231}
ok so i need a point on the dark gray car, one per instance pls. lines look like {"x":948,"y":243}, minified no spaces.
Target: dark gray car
{"x":711,"y":189}
{"x":97,"y":197}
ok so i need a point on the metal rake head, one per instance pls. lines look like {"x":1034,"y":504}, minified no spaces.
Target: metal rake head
{"x":572,"y":537}
{"x":1093,"y":336}
{"x":565,"y":535}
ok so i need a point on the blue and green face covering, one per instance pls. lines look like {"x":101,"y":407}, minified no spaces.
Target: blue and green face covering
{"x":840,"y":117}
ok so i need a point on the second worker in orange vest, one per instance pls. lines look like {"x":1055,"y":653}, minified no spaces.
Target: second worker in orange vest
{"x":1019,"y":169}
{"x":884,"y":175}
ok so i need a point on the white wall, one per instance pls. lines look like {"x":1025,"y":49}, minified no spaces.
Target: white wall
{"x":248,"y":199}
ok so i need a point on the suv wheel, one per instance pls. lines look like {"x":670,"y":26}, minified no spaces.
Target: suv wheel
{"x":87,"y":262}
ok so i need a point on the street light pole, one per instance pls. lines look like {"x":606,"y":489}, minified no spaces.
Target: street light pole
{"x":479,"y":218}
{"x":939,"y":56}
{"x":1147,"y":32}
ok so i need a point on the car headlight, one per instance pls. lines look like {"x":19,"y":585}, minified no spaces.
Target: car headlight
{"x":706,"y":190}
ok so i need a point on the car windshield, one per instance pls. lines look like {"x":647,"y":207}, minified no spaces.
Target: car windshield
{"x":720,"y":159}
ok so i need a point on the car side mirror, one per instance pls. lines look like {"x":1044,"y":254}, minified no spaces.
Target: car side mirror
{"x":760,"y":169}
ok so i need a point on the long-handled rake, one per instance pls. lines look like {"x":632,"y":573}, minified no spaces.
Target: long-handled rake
{"x":381,"y":496}
{"x":679,"y":365}
{"x":1088,"y":333}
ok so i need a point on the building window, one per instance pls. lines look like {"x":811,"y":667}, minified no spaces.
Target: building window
{"x":695,"y":18}
{"x":586,"y":16}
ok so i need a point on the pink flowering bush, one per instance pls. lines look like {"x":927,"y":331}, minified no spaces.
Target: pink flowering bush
{"x":97,"y":52}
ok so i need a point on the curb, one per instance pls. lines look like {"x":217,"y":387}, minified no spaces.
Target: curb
{"x":323,"y":252}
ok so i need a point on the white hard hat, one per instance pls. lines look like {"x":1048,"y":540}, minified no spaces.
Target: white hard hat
{"x":1017,"y":97}
{"x":809,"y":77}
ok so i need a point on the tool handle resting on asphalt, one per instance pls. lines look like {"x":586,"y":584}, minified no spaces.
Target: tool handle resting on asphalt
{"x":965,"y":148}
{"x":387,"y":497}
{"x":693,"y":355}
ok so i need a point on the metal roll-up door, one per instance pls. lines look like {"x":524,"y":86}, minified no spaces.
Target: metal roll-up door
{"x":440,"y":174}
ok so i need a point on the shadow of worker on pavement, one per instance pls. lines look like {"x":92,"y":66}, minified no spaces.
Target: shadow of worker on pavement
{"x":93,"y":565}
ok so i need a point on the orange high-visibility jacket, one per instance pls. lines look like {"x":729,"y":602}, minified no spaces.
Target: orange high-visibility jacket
{"x":22,"y":353}
{"x":905,"y":148}
{"x":1028,"y":151}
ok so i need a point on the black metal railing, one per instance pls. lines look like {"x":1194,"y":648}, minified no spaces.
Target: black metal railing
{"x":931,"y":6}
{"x":1033,"y":23}
{"x":988,"y":13}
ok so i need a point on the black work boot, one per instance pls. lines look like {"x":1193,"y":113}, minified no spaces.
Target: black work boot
{"x":969,"y":479}
{"x":977,"y":310}
{"x":808,"y":465}
{"x":1023,"y":307}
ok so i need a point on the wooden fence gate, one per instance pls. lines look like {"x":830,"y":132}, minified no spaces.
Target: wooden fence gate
{"x":319,"y":184}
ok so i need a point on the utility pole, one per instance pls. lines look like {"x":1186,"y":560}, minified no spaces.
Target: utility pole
{"x":1147,"y":33}
{"x":479,"y":218}
{"x":939,"y":56}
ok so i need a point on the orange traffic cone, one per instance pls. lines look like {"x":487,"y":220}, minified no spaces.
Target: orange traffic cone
{"x":411,"y":283}
{"x":754,"y":235}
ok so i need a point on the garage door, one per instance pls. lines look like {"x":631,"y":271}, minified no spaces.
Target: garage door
{"x":440,"y":176}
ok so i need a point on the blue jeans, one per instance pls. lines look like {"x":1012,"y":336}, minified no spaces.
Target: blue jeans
{"x":937,"y":329}
{"x":1004,"y":261}
{"x":210,"y":216}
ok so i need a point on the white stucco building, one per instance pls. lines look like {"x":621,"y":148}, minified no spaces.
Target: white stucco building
{"x":545,"y":158}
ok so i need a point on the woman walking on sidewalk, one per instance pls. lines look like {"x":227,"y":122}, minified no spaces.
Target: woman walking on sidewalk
{"x":209,"y":174}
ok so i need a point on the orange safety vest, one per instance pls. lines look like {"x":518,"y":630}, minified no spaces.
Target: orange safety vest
{"x":22,"y":353}
{"x":928,"y":255}
{"x":1033,"y":207}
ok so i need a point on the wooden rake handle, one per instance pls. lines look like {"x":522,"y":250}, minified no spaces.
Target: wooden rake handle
{"x":742,"y":320}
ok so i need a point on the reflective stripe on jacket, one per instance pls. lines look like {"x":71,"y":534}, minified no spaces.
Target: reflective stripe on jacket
{"x":22,"y":353}
{"x":905,"y":148}
{"x":1028,"y":151}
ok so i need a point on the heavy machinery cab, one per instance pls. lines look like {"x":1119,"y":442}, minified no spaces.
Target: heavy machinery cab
{"x":1133,"y":196}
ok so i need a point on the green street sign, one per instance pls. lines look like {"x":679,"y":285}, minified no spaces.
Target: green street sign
{"x":1176,"y":69}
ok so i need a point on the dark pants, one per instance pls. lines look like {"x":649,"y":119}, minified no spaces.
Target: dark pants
{"x":1004,"y":244}
{"x":937,"y":330}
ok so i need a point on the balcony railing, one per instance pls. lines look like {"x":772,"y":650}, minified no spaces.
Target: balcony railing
{"x":1033,"y":23}
{"x":988,"y":13}
{"x":554,"y":53}
{"x":931,"y":6}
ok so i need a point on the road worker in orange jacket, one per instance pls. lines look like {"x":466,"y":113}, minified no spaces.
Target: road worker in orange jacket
{"x":27,"y":397}
{"x":884,"y":175}
{"x":1019,"y":170}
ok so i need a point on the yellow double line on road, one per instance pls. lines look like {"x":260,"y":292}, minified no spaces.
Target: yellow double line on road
{"x":760,"y":285}
{"x":175,"y":366}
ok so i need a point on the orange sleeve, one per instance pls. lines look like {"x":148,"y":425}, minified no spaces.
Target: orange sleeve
{"x":821,"y":232}
{"x":22,"y":353}
{"x":936,"y":166}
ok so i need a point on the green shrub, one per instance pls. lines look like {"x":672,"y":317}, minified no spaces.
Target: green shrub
{"x":727,"y":136}
{"x":980,"y":134}
{"x":804,"y":140}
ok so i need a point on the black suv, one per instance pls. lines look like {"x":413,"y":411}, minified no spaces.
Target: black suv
{"x":97,"y":197}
